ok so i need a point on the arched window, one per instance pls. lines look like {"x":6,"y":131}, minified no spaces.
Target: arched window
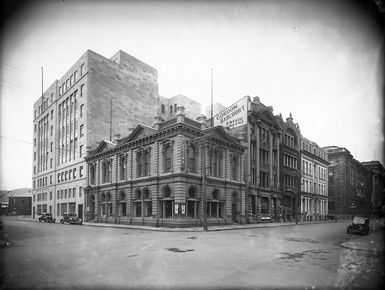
{"x":138,"y":203}
{"x":215,"y":206}
{"x":167,"y":157}
{"x":147,"y":203}
{"x":192,"y":192}
{"x":234,"y":167}
{"x":167,"y":203}
{"x":122,"y":196}
{"x":122,"y":204}
{"x":92,"y":169}
{"x":122,"y":167}
{"x":191,"y":161}
{"x":192,"y":202}
{"x":166,"y":192}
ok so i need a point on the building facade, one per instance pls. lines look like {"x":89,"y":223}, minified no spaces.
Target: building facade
{"x":97,"y":98}
{"x":378,"y":187}
{"x":290,"y":169}
{"x":350,"y":184}
{"x":165,"y":175}
{"x":314,"y":181}
{"x":271,"y":161}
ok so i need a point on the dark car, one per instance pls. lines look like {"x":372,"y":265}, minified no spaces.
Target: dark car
{"x":42,"y":217}
{"x":359,"y":225}
{"x":47,"y":218}
{"x":71,"y":219}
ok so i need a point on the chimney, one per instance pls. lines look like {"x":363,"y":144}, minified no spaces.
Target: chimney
{"x":157,"y":121}
{"x":180,"y":114}
{"x":117,"y":137}
{"x":256,"y":100}
{"x":202,"y":120}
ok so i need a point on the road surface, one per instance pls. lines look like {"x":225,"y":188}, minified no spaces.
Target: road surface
{"x":303,"y":256}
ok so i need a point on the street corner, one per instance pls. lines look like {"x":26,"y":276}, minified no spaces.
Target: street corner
{"x":374,"y":242}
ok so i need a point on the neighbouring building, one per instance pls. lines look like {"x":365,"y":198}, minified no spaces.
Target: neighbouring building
{"x":271,"y":159}
{"x":290,"y":173}
{"x":97,"y":98}
{"x":350,"y":184}
{"x":164,"y":175}
{"x":314,"y":181}
{"x":168,"y":107}
{"x":378,"y":187}
{"x":16,"y":202}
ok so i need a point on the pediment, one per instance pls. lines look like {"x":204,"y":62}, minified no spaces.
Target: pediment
{"x":219,"y":133}
{"x":105,"y":145}
{"x":268,"y":115}
{"x":138,"y":133}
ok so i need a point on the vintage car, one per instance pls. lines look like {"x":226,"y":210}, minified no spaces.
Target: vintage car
{"x":359,"y":225}
{"x":71,"y":219}
{"x":47,"y":218}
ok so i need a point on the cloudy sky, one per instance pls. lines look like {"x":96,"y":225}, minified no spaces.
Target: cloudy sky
{"x":320,"y":60}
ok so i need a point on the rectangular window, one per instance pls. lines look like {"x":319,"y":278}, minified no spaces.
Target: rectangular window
{"x":81,"y":110}
{"x":71,"y":79}
{"x":81,"y":90}
{"x":81,"y":151}
{"x":163,"y":109}
{"x":75,"y":75}
{"x":80,"y":191}
{"x":81,"y":130}
{"x":81,"y":171}
{"x":74,"y":173}
{"x":82,"y":69}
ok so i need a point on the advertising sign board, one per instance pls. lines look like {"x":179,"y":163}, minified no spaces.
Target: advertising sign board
{"x":234,"y":115}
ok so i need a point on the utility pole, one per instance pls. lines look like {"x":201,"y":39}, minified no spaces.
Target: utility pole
{"x":204,"y":185}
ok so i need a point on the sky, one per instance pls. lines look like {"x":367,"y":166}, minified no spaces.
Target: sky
{"x":322,"y":61}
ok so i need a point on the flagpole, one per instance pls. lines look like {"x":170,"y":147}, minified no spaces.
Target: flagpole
{"x":212,"y":105}
{"x":42,"y":90}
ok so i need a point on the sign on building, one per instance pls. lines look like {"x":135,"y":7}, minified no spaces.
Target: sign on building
{"x":234,"y":115}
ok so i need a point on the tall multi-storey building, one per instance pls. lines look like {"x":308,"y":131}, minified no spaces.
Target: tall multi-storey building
{"x":314,"y":181}
{"x":95,"y":99}
{"x":349,"y":184}
{"x":378,"y":187}
{"x":165,"y":175}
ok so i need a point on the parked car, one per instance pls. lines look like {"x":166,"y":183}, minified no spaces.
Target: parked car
{"x":47,"y":218}
{"x":359,"y":225}
{"x":71,"y":219}
{"x":42,"y":217}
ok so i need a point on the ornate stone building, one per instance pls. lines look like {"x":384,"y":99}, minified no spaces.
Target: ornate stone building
{"x":168,"y":175}
{"x":378,"y":187}
{"x":314,"y":181}
{"x":264,"y":164}
{"x":350,"y":184}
